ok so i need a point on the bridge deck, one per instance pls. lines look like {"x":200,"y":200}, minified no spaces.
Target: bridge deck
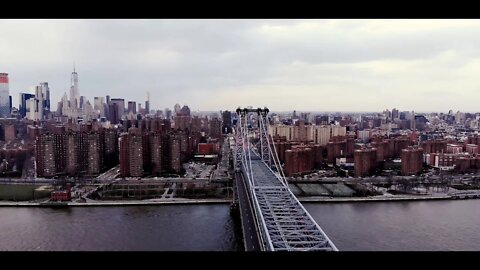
{"x":286,"y":224}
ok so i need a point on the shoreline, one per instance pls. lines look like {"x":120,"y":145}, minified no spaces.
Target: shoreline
{"x":225,"y":201}
{"x":115,"y":203}
{"x":373,"y":199}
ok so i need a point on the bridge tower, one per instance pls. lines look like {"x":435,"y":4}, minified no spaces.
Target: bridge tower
{"x":264,"y":140}
{"x":239,"y":140}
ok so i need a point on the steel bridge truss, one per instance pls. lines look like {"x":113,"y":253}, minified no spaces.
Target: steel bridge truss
{"x":282,"y":222}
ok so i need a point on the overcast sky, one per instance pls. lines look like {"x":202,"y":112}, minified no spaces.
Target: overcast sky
{"x":320,"y":65}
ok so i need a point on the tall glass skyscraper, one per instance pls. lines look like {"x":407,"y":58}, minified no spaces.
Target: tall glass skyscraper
{"x":4,"y":96}
{"x":23,"y":103}
{"x":74,"y":93}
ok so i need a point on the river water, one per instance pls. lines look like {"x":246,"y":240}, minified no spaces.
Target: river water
{"x":424,"y":225}
{"x":136,"y":228}
{"x":401,"y":226}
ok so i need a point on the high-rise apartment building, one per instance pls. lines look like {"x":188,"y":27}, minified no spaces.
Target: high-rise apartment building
{"x":365,"y":161}
{"x":131,"y":150}
{"x":175,"y":153}
{"x":336,"y":148}
{"x":412,"y":160}
{"x":196,"y":124}
{"x":299,"y":160}
{"x":94,"y":145}
{"x":157,"y":152}
{"x":434,"y":146}
{"x":110,"y":147}
{"x":70,"y":152}
{"x":45,"y":155}
{"x":300,"y":132}
{"x":78,"y":152}
{"x":215,"y":128}
{"x":182,"y":122}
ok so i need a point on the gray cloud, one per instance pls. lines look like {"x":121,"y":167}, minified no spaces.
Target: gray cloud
{"x":338,"y":65}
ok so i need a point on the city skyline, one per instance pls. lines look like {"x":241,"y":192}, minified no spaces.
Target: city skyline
{"x":239,"y":135}
{"x":318,"y":65}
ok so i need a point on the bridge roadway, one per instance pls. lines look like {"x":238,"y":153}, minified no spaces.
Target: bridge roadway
{"x":249,"y":228}
{"x":283,"y":222}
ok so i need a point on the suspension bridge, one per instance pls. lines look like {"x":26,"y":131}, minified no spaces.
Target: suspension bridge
{"x":272,"y":217}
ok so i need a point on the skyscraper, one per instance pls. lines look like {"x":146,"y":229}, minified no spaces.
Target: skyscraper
{"x":83,"y":101}
{"x":98,"y":105}
{"x":113,"y":113}
{"x":38,"y":105}
{"x":395,"y":114}
{"x":4,"y":96}
{"x":45,"y":96}
{"x":42,"y":92}
{"x":147,"y":104}
{"x":77,"y":107}
{"x":132,"y":107}
{"x":22,"y":108}
{"x":168,"y":113}
{"x":185,"y":110}
{"x":227,"y":122}
{"x":120,"y":106}
{"x":74,"y":94}
{"x":176,"y":108}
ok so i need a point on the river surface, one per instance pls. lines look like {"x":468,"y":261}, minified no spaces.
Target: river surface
{"x":400,"y":226}
{"x":136,"y":228}
{"x":375,"y":226}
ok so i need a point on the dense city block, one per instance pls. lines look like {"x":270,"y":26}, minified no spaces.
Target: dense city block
{"x":114,"y":140}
